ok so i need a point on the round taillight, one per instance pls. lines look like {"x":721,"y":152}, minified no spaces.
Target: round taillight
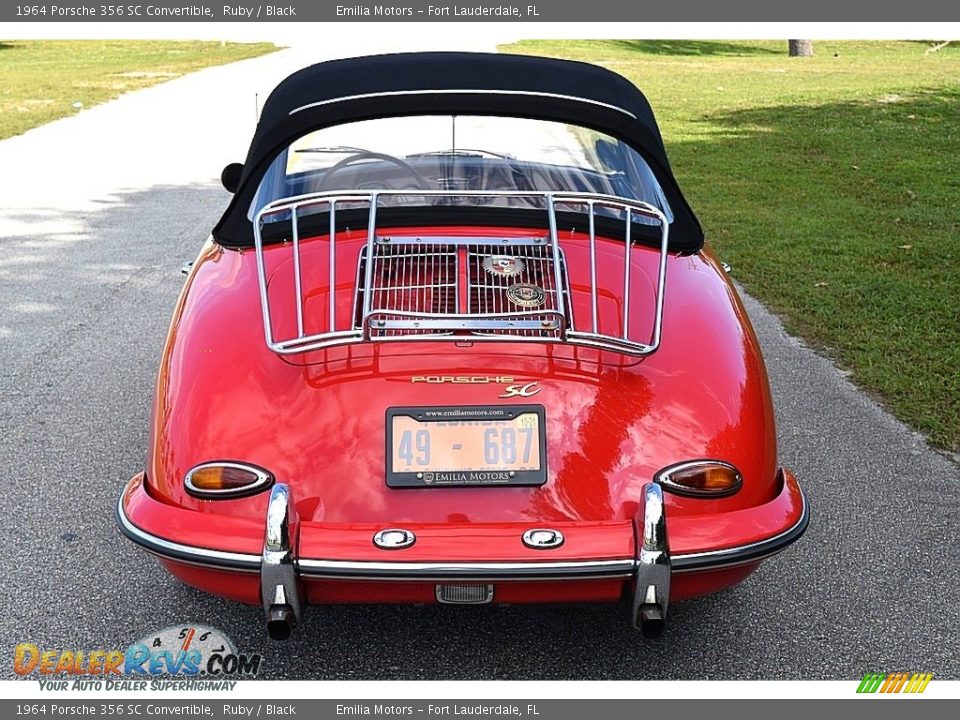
{"x":701,"y":478}
{"x":222,"y":480}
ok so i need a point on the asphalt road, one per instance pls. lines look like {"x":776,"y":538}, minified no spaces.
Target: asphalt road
{"x":89,"y":260}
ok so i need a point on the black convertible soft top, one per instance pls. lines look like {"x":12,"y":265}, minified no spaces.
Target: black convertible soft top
{"x":342,"y":91}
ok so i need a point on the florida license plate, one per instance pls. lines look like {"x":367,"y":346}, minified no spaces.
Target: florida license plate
{"x":465,"y":446}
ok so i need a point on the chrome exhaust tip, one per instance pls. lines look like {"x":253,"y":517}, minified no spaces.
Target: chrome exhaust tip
{"x":280,"y":622}
{"x":650,"y":621}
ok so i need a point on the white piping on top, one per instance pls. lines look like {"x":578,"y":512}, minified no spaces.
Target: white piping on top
{"x":394,"y":93}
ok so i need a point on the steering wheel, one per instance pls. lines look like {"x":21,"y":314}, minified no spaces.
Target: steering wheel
{"x":422,"y":182}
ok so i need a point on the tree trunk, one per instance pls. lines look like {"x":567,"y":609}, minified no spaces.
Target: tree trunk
{"x":801,"y":48}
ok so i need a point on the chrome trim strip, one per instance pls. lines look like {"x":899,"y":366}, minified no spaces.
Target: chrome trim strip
{"x":185,"y":553}
{"x":463,"y":91}
{"x":345,"y":569}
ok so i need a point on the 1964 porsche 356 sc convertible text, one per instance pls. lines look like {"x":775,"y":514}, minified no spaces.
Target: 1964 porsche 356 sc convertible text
{"x":457,"y":339}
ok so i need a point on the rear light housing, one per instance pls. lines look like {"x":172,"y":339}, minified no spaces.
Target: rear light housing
{"x":225,"y":480}
{"x":701,"y":479}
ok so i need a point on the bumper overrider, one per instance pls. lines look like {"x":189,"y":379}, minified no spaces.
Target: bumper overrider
{"x":716,"y":550}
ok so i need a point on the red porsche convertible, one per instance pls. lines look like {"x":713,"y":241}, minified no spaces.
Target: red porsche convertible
{"x":457,"y":339}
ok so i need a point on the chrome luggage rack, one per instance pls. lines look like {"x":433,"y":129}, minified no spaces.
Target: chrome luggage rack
{"x":416,"y":288}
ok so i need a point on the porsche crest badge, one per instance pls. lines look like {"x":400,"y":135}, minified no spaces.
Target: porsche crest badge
{"x":503,"y":265}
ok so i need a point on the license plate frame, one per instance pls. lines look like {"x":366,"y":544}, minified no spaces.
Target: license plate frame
{"x":466,"y":478}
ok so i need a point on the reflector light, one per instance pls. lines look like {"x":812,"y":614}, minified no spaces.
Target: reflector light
{"x":222,"y":480}
{"x":701,"y":478}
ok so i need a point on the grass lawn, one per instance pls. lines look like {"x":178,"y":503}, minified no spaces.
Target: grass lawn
{"x":41,"y":80}
{"x":832,"y":186}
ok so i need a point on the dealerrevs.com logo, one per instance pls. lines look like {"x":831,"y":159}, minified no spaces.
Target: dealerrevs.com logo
{"x":179,"y":657}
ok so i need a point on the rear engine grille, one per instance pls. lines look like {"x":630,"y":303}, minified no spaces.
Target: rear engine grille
{"x":413,"y":278}
{"x":488,"y":290}
{"x":419,"y":279}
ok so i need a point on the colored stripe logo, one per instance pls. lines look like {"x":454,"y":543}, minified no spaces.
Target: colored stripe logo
{"x":894,"y":682}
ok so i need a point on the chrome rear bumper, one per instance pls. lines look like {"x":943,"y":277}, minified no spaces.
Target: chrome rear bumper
{"x":280,"y":571}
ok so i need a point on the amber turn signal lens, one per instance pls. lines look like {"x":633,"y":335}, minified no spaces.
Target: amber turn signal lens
{"x":226,"y":480}
{"x":701,"y":478}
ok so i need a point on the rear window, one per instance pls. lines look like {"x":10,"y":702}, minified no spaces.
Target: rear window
{"x":452,"y":153}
